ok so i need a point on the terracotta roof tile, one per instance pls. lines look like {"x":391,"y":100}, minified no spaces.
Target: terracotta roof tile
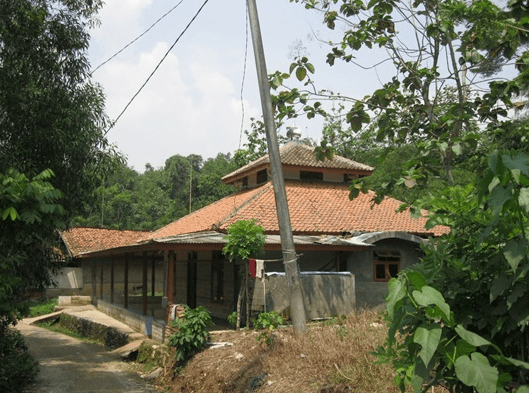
{"x":298,"y":154}
{"x":209,"y":217}
{"x":82,"y":239}
{"x":315,"y":208}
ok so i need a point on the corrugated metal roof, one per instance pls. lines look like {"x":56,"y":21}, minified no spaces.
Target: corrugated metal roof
{"x":213,"y":237}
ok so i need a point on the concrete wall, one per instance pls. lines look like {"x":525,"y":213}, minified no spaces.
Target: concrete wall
{"x":143,"y":324}
{"x":325,"y":294}
{"x":371,"y":294}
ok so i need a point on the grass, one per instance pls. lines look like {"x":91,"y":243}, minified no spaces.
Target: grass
{"x":42,"y":308}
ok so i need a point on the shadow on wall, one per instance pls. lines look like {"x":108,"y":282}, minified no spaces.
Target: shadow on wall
{"x":326,"y":294}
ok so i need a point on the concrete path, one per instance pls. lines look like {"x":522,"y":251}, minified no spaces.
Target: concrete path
{"x":70,"y":365}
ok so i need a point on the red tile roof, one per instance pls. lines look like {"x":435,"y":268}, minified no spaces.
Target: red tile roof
{"x":79,"y":240}
{"x":209,"y":217}
{"x":315,"y":208}
{"x":301,"y":155}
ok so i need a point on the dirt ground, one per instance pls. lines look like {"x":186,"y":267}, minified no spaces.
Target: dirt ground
{"x":239,"y":363}
{"x":234,"y":363}
{"x":69,"y":365}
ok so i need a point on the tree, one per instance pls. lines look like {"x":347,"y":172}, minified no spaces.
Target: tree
{"x":434,"y":96}
{"x":460,"y":317}
{"x":246,"y":240}
{"x":461,"y":314}
{"x":51,"y":114}
{"x":52,"y":139}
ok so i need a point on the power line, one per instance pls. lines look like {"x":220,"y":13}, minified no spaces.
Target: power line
{"x":137,"y":38}
{"x":244,"y":77}
{"x":156,"y":68}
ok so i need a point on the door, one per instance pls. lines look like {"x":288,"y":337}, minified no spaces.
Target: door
{"x":192,"y":279}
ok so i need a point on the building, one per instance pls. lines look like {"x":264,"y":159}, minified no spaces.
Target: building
{"x":183,"y":261}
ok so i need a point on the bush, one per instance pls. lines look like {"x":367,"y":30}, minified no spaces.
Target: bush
{"x":267,"y":321}
{"x":17,"y":368}
{"x":232,"y":319}
{"x":192,"y":334}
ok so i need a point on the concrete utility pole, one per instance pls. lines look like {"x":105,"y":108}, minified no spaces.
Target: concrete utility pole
{"x":297,"y":308}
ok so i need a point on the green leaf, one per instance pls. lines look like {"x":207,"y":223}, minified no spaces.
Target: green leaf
{"x":517,"y":161}
{"x":514,"y":251}
{"x":301,"y":73}
{"x":470,"y":337}
{"x":518,"y":363}
{"x":523,"y":389}
{"x":523,"y":199}
{"x":428,"y":338}
{"x":498,"y":197}
{"x":499,"y":286}
{"x":416,"y":279}
{"x":476,"y":371}
{"x":397,"y":291}
{"x":11,"y":212}
{"x":428,"y":296}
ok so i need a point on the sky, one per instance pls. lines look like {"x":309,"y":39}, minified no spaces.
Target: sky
{"x":193,"y":103}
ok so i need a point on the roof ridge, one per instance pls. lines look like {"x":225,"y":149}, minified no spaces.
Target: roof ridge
{"x":235,"y":211}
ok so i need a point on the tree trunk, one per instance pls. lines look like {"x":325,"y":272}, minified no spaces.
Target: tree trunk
{"x":239,"y":301}
{"x":247,"y":296}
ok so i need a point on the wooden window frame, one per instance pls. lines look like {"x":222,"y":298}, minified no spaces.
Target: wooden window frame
{"x":261,"y":176}
{"x":311,"y":176}
{"x":386,"y":258}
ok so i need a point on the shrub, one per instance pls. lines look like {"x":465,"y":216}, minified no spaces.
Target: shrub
{"x":267,"y":321}
{"x":232,"y":319}
{"x":192,"y":334}
{"x":17,"y":368}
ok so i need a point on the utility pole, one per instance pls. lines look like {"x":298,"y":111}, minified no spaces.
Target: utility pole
{"x":297,"y":308}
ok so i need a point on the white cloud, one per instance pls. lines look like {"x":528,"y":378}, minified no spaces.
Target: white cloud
{"x":184,"y":109}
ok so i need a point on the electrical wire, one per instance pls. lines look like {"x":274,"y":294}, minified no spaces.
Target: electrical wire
{"x":137,"y":38}
{"x":244,"y":76}
{"x":156,"y":68}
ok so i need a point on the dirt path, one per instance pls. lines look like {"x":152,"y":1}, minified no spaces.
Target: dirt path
{"x":69,"y":365}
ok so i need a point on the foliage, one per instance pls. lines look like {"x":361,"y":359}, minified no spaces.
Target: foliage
{"x":42,"y":308}
{"x":29,"y":212}
{"x":245,"y":239}
{"x":438,"y":60}
{"x":192,"y":334}
{"x":232,"y":318}
{"x":51,"y":114}
{"x":131,"y":200}
{"x":17,"y":368}
{"x":460,"y":317}
{"x":268,"y":321}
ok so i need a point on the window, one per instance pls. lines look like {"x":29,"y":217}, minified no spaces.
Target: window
{"x":262,"y":176}
{"x":244,"y":182}
{"x":347,"y":177}
{"x":217,"y":276}
{"x":310,"y":176}
{"x":386,"y":264}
